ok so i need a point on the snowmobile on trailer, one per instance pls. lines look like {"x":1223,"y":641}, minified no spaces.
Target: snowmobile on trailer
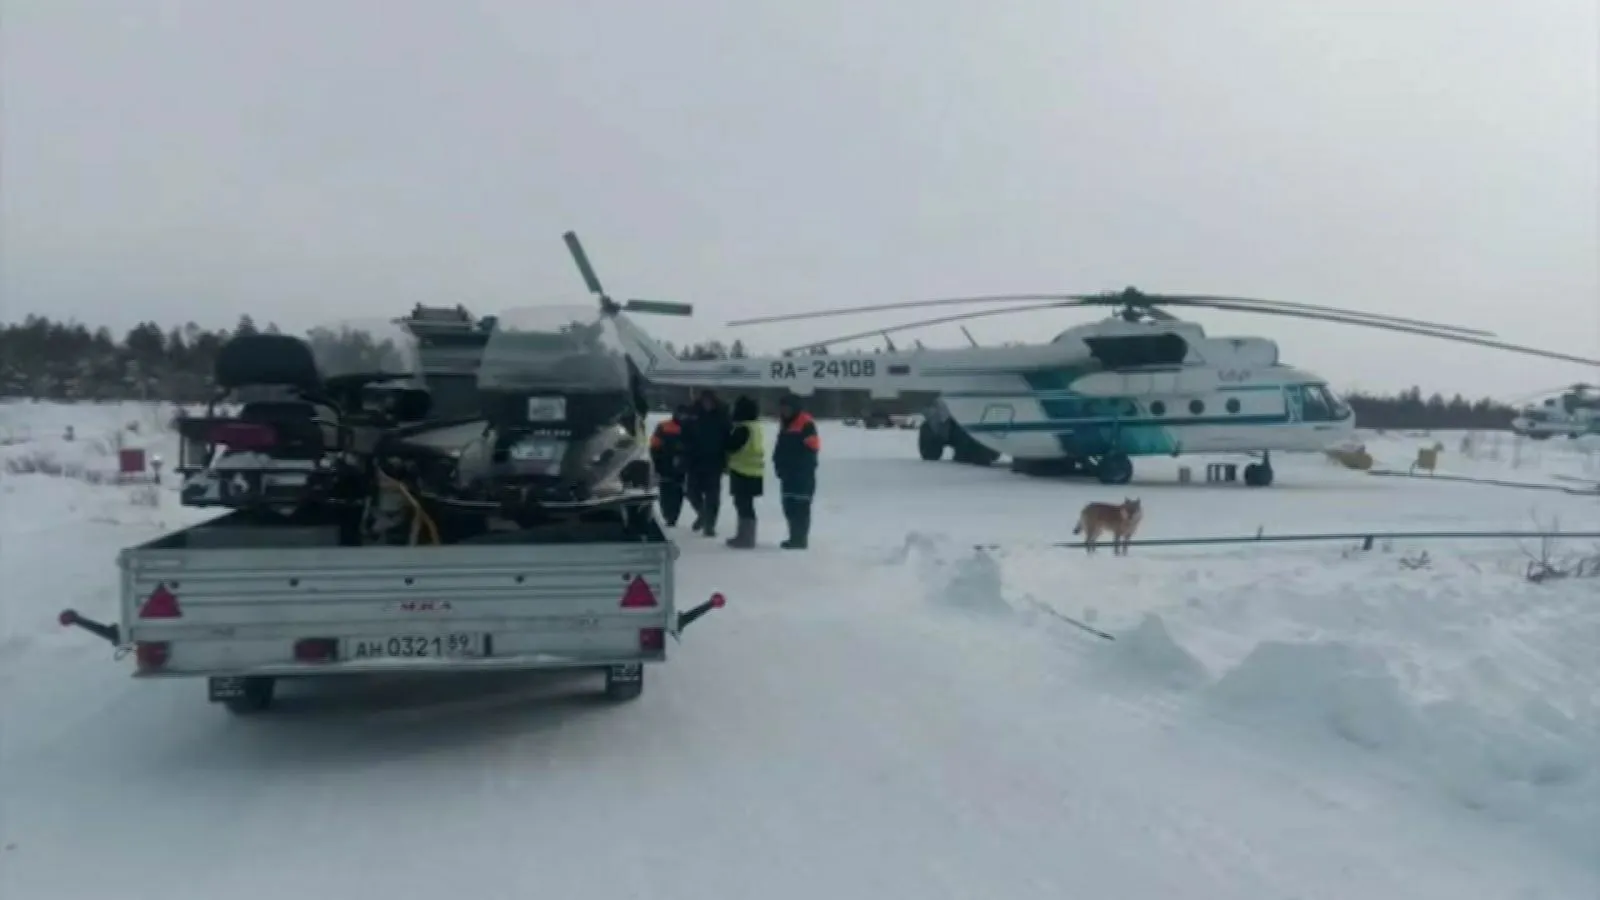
{"x":362,"y":534}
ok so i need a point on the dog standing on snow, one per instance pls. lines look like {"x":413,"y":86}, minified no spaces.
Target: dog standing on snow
{"x":1121,"y":519}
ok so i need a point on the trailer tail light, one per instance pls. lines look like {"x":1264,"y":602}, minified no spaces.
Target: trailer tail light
{"x":316,"y":650}
{"x":151,"y":654}
{"x":652,"y":639}
{"x":638,"y":595}
{"x":243,"y":435}
{"x":161,"y":604}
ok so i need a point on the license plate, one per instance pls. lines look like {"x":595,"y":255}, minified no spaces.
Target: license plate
{"x":225,"y":688}
{"x":415,"y":646}
{"x":535,"y":451}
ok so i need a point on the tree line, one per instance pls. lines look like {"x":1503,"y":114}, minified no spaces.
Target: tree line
{"x":44,"y":359}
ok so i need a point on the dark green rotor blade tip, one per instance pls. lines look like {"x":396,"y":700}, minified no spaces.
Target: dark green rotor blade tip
{"x":582,"y":259}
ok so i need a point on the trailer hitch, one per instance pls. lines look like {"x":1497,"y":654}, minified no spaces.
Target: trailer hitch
{"x":70,"y":617}
{"x":687,"y":617}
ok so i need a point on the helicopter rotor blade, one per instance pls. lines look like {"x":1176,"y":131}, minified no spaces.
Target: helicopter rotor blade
{"x":1534,"y":395}
{"x":923,"y":323}
{"x":659,"y":307}
{"x":1203,"y":299}
{"x":1147,"y":303}
{"x":906,"y":304}
{"x":1405,"y":329}
{"x":1226,"y":306}
{"x":590,"y":280}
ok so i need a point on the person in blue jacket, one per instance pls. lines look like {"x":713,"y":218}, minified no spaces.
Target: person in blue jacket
{"x":705,"y":459}
{"x":794,"y":461}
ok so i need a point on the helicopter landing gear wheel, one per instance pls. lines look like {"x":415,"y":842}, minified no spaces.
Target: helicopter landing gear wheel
{"x":1259,"y":474}
{"x":930,"y":445}
{"x":1114,"y":468}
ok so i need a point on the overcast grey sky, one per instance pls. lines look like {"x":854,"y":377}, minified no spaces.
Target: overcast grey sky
{"x":301,"y":161}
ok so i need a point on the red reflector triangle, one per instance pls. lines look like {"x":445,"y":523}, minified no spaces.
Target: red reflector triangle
{"x":161,"y":604}
{"x":638,"y":595}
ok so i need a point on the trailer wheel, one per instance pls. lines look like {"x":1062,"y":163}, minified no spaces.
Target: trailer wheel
{"x":930,"y":444}
{"x":255,"y":696}
{"x":624,"y":682}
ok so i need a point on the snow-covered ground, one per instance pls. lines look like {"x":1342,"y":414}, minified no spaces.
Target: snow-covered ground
{"x":892,"y":714}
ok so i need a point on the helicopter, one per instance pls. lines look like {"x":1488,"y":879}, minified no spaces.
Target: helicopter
{"x":1140,"y":383}
{"x":1574,"y":412}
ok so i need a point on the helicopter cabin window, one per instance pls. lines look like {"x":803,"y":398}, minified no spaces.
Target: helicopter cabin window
{"x":1137,"y":351}
{"x":1197,"y":407}
{"x":1232,"y":405}
{"x":1158,"y":408}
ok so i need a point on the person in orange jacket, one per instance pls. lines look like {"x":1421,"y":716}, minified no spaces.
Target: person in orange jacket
{"x":666,"y":453}
{"x":794,"y":461}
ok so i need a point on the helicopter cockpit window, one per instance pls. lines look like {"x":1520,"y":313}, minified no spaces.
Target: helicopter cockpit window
{"x":1319,"y":404}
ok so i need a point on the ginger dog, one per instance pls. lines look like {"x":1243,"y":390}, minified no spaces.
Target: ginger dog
{"x":1122,"y":520}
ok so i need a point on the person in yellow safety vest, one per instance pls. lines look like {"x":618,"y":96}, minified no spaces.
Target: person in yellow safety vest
{"x":747,"y":464}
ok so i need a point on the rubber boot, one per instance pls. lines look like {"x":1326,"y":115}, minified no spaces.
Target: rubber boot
{"x":745,"y":537}
{"x":671,"y":502}
{"x":799,"y":516}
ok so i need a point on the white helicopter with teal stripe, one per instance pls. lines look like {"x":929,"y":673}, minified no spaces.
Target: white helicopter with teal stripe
{"x":1140,"y":383}
{"x":1224,"y":395}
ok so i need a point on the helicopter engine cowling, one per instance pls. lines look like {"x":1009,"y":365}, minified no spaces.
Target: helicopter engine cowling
{"x":1241,"y":352}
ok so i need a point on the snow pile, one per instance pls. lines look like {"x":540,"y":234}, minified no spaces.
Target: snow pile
{"x":972,"y":583}
{"x":1534,"y":763}
{"x":920,"y":550}
{"x":969,"y":580}
{"x":1449,"y":668}
{"x":1149,"y":651}
{"x":1347,"y":691}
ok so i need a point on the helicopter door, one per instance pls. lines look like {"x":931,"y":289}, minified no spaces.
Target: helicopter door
{"x":999,"y":417}
{"x":1294,"y":402}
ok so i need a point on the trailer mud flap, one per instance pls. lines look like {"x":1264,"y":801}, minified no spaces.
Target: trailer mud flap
{"x":624,"y":682}
{"x":627,"y":673}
